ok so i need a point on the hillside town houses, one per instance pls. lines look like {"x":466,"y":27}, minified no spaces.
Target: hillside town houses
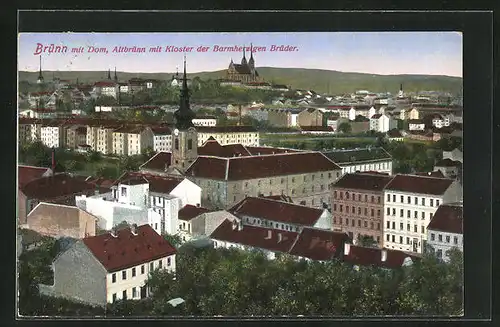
{"x":220,"y":185}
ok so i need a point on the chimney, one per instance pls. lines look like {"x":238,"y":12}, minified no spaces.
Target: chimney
{"x":269,"y":234}
{"x":280,"y":237}
{"x":347,"y":248}
{"x":384,"y":255}
{"x":114,"y":232}
{"x":133,"y":229}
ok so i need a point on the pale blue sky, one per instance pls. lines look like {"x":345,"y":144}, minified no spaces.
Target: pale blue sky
{"x":433,"y":53}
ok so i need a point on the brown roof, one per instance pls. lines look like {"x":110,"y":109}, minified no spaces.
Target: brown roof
{"x":366,"y":256}
{"x":436,"y":173}
{"x":130,"y":129}
{"x":363,"y":181}
{"x":29,"y":173}
{"x":281,"y":197}
{"x":257,"y":237}
{"x":448,"y":218}
{"x":258,"y":150}
{"x":319,"y":244}
{"x":158,"y":161}
{"x":279,"y":211}
{"x":127,"y":250}
{"x":158,"y":184}
{"x":419,"y":184}
{"x":416,"y":121}
{"x":394,"y":133}
{"x":212,"y":148}
{"x":157,"y":130}
{"x":189,"y":212}
{"x":241,"y":168}
{"x":376,"y":116}
{"x":100,"y":181}
{"x":59,"y":185}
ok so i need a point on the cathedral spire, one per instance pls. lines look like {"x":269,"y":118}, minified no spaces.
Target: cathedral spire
{"x":251,"y":62}
{"x":109,"y":73}
{"x":244,"y":59}
{"x":184,"y":115}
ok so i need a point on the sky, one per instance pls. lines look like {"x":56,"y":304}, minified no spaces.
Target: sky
{"x":385,"y":53}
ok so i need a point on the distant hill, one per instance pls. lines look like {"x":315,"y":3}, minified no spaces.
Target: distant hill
{"x":322,"y":81}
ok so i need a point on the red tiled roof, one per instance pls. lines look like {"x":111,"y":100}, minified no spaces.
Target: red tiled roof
{"x":46,"y":188}
{"x":212,"y":148}
{"x":158,"y":184}
{"x":419,"y":184}
{"x":436,"y":173}
{"x":189,"y":212}
{"x":100,"y":181}
{"x":157,"y":130}
{"x":104,"y":84}
{"x":448,"y":218}
{"x":365,"y":256}
{"x":130,"y":129}
{"x":279,"y":211}
{"x":29,"y":173}
{"x":363,"y":181}
{"x":128,"y":250}
{"x":252,"y":167}
{"x":257,"y":237}
{"x":158,"y":161}
{"x":319,"y":244}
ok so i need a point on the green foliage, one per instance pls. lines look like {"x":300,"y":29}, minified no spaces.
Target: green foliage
{"x":175,"y":240}
{"x":345,"y":128}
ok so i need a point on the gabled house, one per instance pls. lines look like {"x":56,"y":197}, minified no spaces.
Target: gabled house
{"x":410,"y":203}
{"x":280,"y":215}
{"x":109,"y":267}
{"x":445,"y":230}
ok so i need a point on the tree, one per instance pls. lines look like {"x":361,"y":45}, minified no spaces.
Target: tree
{"x":345,"y":128}
{"x":93,"y":156}
{"x":175,"y":240}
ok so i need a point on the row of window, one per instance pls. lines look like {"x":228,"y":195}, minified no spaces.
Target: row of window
{"x":392,"y":238}
{"x":447,"y":238}
{"x":354,"y":196}
{"x":401,"y":227}
{"x":392,"y":212}
{"x":266,"y":223}
{"x":352,"y":210}
{"x":415,"y":200}
{"x":135,"y":294}
{"x":143,"y":269}
{"x":353,"y":222}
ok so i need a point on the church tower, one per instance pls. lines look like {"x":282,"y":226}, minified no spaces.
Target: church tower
{"x":251,"y":61}
{"x":116,"y":76}
{"x":109,"y":74}
{"x":244,"y":59}
{"x":184,"y":136}
{"x":401,"y":93}
{"x":40,"y":76}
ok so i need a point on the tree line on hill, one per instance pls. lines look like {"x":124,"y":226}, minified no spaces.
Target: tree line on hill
{"x":245,"y":283}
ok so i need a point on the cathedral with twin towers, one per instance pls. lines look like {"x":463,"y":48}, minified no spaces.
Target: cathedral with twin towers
{"x":244,"y":72}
